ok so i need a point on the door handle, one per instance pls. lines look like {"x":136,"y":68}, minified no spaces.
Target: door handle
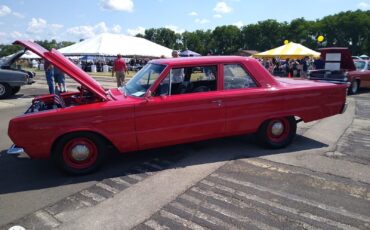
{"x":218,"y":102}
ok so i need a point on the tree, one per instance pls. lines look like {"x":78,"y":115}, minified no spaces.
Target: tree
{"x":226,"y":39}
{"x":162,"y":36}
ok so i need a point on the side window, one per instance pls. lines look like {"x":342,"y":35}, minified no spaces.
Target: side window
{"x":188,"y":80}
{"x":235,"y":77}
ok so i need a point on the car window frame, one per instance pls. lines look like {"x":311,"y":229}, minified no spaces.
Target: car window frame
{"x":245,"y":68}
{"x":169,"y":69}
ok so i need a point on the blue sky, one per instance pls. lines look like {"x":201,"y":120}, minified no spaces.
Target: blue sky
{"x":71,"y":20}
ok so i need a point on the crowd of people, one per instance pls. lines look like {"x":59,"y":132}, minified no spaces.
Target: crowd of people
{"x":291,"y":67}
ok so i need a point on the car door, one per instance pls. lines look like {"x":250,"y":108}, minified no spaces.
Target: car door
{"x":177,"y":112}
{"x":247,"y":103}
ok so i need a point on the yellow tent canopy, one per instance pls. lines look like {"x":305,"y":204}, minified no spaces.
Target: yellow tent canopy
{"x":291,"y":50}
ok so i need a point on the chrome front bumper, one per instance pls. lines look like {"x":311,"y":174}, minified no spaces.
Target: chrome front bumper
{"x":14,"y":150}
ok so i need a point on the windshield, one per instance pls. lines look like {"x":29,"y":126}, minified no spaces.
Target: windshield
{"x":142,"y":81}
{"x":360,"y":65}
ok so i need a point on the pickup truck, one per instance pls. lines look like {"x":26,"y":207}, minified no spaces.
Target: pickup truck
{"x":340,"y":68}
{"x":12,"y":78}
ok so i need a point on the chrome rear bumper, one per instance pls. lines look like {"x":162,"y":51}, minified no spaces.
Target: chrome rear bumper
{"x":14,"y":150}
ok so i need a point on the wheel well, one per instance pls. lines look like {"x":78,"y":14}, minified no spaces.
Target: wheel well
{"x":108,"y":142}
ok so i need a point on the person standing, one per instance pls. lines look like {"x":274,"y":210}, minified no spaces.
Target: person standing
{"x":120,"y":68}
{"x":49,"y":74}
{"x":60,"y":80}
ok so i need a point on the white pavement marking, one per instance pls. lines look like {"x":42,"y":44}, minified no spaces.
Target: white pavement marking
{"x":242,"y":204}
{"x":291,"y":210}
{"x":208,"y":218}
{"x":123,"y":211}
{"x":295,"y":198}
{"x":107,"y":187}
{"x":94,"y":196}
{"x":228,"y":213}
{"x":154,"y":225}
{"x":80,"y":203}
{"x":47,"y":219}
{"x":135,"y":177}
{"x":120,"y":181}
{"x":352,"y":190}
{"x":182,"y":221}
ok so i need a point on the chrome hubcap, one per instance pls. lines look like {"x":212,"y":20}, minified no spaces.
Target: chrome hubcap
{"x":354,"y":86}
{"x":277,"y":128}
{"x":80,"y":152}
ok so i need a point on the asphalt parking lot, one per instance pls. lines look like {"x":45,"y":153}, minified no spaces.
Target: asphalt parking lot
{"x":321,"y":181}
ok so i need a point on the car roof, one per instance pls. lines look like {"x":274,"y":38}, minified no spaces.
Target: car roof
{"x":200,"y":60}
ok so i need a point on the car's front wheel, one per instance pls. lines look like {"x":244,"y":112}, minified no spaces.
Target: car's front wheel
{"x":15,"y":89}
{"x":354,"y":87}
{"x":5,"y":90}
{"x":278,"y":132}
{"x":79,"y":153}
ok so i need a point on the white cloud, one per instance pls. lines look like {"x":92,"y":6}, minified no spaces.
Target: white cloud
{"x":217,"y":16}
{"x":117,"y":5}
{"x":16,"y":35}
{"x":138,"y":30}
{"x":222,"y":8}
{"x":18,"y":15}
{"x":36,"y":25}
{"x":176,"y":29}
{"x":201,"y":21}
{"x":88,"y":31}
{"x":239,"y":24}
{"x":193,"y":13}
{"x":4,"y":10}
{"x":364,"y":5}
{"x":116,"y":29}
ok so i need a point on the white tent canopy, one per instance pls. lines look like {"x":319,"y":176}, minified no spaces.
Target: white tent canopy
{"x":112,"y":44}
{"x":30,"y":55}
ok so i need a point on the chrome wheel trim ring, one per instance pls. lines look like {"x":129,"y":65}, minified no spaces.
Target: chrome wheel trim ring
{"x":277,"y":128}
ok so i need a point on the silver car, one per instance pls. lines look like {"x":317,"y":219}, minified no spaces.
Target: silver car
{"x":12,"y":78}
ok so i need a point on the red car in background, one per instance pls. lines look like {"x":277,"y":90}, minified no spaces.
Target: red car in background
{"x":340,"y":68}
{"x":169,"y":101}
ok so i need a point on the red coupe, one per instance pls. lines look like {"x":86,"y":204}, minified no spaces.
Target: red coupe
{"x":169,"y":101}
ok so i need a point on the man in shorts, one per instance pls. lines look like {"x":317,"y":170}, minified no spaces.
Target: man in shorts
{"x":120,"y":68}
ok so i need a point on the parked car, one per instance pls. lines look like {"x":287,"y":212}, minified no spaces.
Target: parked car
{"x":11,"y":77}
{"x":169,"y":101}
{"x":340,"y":68}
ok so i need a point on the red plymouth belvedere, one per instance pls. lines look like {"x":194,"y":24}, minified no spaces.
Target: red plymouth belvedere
{"x":169,"y":101}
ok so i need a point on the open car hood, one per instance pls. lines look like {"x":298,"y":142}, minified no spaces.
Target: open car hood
{"x":68,"y":67}
{"x":11,"y":59}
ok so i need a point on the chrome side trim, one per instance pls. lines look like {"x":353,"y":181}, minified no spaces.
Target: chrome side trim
{"x":14,"y":150}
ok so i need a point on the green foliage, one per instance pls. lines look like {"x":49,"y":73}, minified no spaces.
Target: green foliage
{"x":6,"y":50}
{"x":348,"y":29}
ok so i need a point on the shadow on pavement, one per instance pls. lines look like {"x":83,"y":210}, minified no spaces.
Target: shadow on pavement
{"x":22,"y":174}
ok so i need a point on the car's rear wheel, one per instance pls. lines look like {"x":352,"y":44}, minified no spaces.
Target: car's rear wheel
{"x":15,"y":89}
{"x":278,"y":132}
{"x":5,"y":90}
{"x":354,"y":87}
{"x":79,"y":153}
